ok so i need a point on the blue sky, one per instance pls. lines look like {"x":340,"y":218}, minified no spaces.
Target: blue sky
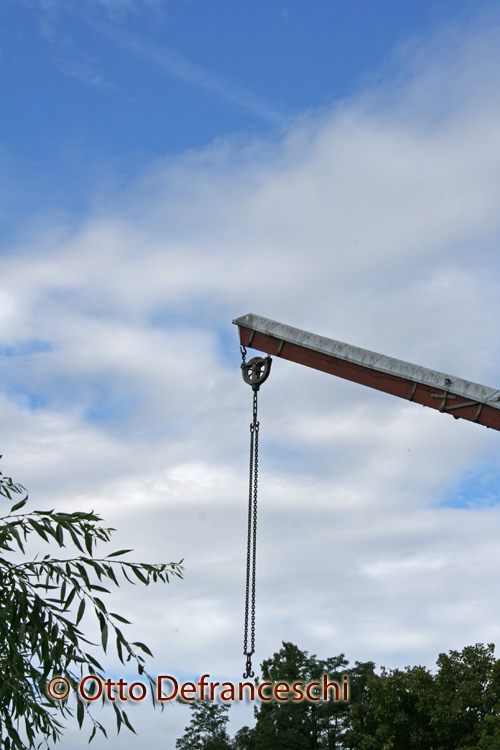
{"x":93,"y":91}
{"x":166,"y":168}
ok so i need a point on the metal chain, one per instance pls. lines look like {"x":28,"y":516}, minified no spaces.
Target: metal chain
{"x":251,"y":542}
{"x":254,"y":373}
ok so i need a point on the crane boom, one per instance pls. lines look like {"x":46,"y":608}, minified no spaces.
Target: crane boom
{"x":446,"y":393}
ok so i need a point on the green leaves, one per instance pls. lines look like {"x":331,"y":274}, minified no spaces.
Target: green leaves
{"x":80,"y":712}
{"x":18,"y":505}
{"x":39,"y":631}
{"x":81,"y":610}
{"x":142,"y":647}
{"x":456,"y":707}
{"x":8,"y":487}
{"x":207,"y":728}
{"x":303,"y":724}
{"x":120,"y":552}
{"x":120,"y":618}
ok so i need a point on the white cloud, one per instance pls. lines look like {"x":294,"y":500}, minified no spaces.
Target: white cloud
{"x":375,"y":223}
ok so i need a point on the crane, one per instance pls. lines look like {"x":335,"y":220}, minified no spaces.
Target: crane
{"x":462,"y":399}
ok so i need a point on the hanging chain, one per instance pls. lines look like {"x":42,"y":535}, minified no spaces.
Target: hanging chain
{"x":255,"y":373}
{"x":251,"y":541}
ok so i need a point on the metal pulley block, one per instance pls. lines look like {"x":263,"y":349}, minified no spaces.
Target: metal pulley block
{"x":256,"y":371}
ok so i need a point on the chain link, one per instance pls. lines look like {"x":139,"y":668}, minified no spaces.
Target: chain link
{"x":251,"y":542}
{"x":249,"y":539}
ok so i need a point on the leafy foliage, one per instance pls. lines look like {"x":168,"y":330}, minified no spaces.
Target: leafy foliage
{"x":458,"y":708}
{"x":455,"y":708}
{"x":394,"y":711}
{"x":302,"y":725}
{"x":39,"y":637}
{"x":207,"y":729}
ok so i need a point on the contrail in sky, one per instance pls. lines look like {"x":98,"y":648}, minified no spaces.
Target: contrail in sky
{"x":180,"y":67}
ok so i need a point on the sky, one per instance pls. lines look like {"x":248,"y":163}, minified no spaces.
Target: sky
{"x":168,"y":167}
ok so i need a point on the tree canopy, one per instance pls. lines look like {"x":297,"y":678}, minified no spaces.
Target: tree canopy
{"x":207,"y":728}
{"x":454,"y":707}
{"x":302,"y":725}
{"x":42,"y":603}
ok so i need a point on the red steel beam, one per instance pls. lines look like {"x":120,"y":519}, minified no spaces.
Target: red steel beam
{"x":461,"y":398}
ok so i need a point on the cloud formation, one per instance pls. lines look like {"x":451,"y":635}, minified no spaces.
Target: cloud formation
{"x":375,"y":223}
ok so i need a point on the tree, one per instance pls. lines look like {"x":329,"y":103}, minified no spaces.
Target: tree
{"x":207,"y":729}
{"x":455,"y":708}
{"x":467,"y":706}
{"x":39,"y":636}
{"x":458,"y":708}
{"x":394,"y":711}
{"x":301,"y":725}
